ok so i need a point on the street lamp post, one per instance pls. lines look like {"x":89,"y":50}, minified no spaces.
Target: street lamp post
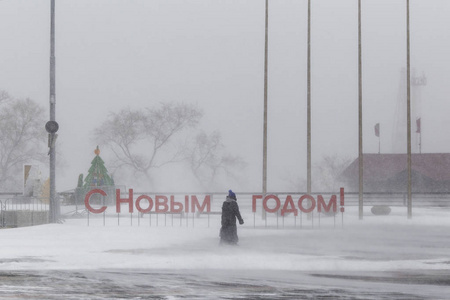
{"x":52,"y":126}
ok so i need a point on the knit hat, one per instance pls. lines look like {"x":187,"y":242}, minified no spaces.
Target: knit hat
{"x":231,"y":194}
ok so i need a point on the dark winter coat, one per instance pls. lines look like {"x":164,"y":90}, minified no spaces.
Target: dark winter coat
{"x":230,"y":212}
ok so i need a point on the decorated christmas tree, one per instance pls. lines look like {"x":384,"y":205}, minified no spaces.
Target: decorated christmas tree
{"x":97,"y":174}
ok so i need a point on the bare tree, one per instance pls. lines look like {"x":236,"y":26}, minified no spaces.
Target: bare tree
{"x":325,"y":175}
{"x":143,"y":140}
{"x":208,"y":160}
{"x":327,"y":172}
{"x":4,"y":96}
{"x":22,"y":138}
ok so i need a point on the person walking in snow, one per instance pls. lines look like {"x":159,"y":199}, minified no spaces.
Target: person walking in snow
{"x":230,"y":211}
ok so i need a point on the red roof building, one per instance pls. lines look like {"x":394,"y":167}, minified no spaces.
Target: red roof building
{"x":430,"y":172}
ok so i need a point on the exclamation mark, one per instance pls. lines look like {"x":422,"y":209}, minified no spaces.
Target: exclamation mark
{"x":342,"y":199}
{"x":186,"y":203}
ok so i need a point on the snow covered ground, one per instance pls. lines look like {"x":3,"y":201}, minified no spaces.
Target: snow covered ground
{"x":380,"y":257}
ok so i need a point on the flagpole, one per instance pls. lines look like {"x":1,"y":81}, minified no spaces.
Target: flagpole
{"x":419,"y":131}
{"x":420,"y":142}
{"x":379,"y":144}
{"x":378,"y":135}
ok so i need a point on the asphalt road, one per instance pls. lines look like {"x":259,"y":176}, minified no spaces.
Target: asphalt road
{"x":210,"y":284}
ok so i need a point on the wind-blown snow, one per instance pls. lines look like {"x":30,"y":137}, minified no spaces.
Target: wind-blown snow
{"x":376,"y":245}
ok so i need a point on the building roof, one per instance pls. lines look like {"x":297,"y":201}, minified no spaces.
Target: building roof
{"x":383,"y":166}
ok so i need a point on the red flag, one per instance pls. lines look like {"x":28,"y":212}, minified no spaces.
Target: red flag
{"x":377,"y":129}
{"x":418,"y":125}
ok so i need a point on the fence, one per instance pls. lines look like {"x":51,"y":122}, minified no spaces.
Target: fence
{"x":257,"y":219}
{"x":19,"y":211}
{"x":437,"y":199}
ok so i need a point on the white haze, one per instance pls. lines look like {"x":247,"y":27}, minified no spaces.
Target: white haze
{"x":112,"y":54}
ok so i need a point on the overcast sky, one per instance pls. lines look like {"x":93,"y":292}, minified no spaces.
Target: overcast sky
{"x":112,"y":54}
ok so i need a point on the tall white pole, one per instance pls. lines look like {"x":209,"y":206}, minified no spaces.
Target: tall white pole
{"x":266,"y":54}
{"x":408,"y":109}
{"x":360,"y":126}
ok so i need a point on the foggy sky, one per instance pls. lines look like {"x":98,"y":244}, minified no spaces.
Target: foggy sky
{"x":112,"y":54}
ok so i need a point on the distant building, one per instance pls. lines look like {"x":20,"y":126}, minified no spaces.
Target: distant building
{"x":430,"y":172}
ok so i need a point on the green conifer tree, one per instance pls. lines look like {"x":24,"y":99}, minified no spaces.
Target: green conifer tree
{"x":97,"y":174}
